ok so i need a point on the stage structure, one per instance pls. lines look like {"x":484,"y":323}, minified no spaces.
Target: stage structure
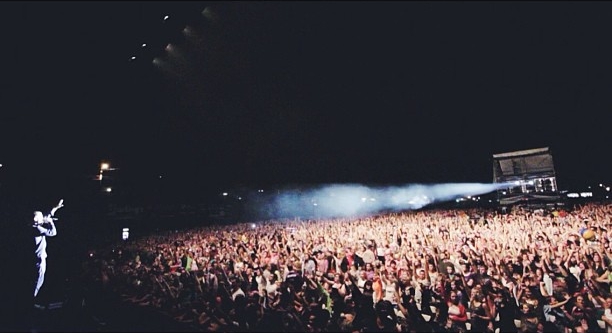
{"x":533,"y":173}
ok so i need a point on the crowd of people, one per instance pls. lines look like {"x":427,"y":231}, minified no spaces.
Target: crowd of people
{"x":416,"y":271}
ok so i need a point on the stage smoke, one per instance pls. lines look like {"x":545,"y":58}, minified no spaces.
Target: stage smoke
{"x":350,"y":200}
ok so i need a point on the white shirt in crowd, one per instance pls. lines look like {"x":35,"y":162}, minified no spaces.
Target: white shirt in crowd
{"x":271,"y":288}
{"x":380,"y":251}
{"x":237,"y":292}
{"x":608,"y":314}
{"x":390,"y":292}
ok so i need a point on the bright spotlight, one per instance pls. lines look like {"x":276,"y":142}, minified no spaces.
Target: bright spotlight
{"x":224,"y":194}
{"x":104,"y":166}
{"x":166,"y":18}
{"x":144,"y":45}
{"x":132,"y":58}
{"x":108,"y":189}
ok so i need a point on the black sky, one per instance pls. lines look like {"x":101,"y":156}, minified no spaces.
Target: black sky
{"x":303,"y":92}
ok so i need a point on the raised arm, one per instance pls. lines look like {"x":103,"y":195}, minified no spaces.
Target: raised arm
{"x":59,"y":205}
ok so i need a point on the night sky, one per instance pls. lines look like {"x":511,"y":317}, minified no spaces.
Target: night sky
{"x":272,"y":93}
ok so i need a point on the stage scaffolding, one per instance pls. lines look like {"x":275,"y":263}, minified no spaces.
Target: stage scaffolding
{"x":531,"y":173}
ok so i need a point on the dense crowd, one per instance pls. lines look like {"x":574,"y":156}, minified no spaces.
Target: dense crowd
{"x":416,"y":271}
